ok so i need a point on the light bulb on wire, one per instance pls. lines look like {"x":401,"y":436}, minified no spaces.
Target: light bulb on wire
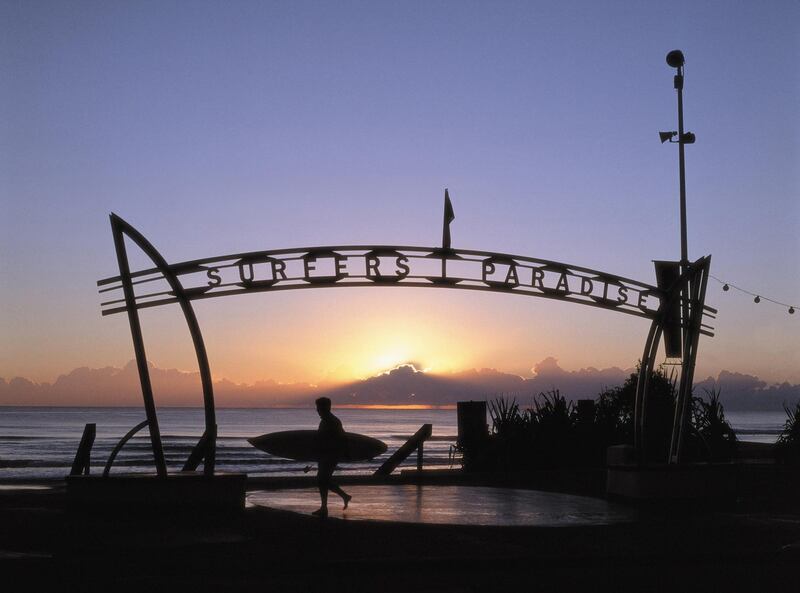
{"x":726,"y":287}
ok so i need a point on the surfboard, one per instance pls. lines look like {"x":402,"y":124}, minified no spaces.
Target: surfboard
{"x":301,"y":445}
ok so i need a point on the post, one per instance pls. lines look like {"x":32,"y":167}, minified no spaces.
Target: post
{"x":82,"y":461}
{"x":682,"y":167}
{"x":689,"y":287}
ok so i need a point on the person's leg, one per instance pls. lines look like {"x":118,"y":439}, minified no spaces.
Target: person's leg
{"x":337,"y":490}
{"x":324,"y":473}
{"x":345,"y":496}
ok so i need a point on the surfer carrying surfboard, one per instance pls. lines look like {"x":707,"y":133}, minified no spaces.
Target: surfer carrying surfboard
{"x":331,"y":444}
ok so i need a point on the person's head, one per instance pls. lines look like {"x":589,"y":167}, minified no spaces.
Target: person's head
{"x":323,"y":405}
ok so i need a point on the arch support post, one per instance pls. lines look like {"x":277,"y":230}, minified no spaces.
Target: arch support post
{"x":681,"y":309}
{"x":138,"y":348}
{"x":646,"y":366}
{"x":120,"y":229}
{"x":693,"y":297}
{"x":204,"y":450}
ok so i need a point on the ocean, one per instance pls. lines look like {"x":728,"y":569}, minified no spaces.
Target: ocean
{"x":38,"y":442}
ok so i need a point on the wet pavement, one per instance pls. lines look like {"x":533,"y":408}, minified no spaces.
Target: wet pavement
{"x":452,"y":505}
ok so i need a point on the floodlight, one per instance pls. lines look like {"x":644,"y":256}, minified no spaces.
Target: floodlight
{"x":675,"y":58}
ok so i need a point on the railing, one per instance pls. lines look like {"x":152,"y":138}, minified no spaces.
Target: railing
{"x":416,"y":442}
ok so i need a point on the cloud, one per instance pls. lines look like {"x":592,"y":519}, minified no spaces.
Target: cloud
{"x":405,"y":384}
{"x":111,"y":386}
{"x":748,"y":392}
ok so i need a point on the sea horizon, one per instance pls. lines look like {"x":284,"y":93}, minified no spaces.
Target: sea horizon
{"x":39,"y":442}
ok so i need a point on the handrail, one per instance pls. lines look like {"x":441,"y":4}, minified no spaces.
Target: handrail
{"x":415,"y":442}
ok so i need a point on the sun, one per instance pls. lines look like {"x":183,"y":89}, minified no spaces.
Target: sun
{"x":388,"y":360}
{"x":386,"y":353}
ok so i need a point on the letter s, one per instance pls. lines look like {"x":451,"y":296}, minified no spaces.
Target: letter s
{"x":402,"y":266}
{"x":214,"y":279}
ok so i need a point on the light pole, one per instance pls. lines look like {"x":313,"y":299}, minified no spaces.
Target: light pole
{"x":675,"y":60}
{"x":688,"y":287}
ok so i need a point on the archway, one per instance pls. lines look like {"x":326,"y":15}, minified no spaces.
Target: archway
{"x":675,"y":306}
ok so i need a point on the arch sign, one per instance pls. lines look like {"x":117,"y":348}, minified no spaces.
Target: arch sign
{"x":403,"y":266}
{"x":318,"y":267}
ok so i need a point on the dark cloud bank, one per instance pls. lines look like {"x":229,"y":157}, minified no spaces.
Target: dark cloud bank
{"x":403,"y":385}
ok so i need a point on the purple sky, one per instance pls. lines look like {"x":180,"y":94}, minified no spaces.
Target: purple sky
{"x":224,"y":127}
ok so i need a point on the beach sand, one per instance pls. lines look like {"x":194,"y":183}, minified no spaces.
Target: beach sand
{"x":44,"y":547}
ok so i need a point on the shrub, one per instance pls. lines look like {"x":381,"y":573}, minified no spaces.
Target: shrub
{"x":615,"y":413}
{"x":507,"y":420}
{"x":549,"y":433}
{"x":552,"y":426}
{"x":787,"y":448}
{"x":717,"y":441}
{"x":510,"y":434}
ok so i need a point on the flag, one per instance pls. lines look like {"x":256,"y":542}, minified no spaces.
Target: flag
{"x":449,"y":216}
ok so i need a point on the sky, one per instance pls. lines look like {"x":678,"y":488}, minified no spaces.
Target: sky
{"x":219,"y":128}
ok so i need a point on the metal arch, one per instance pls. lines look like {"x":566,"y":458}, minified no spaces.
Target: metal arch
{"x":474,"y":270}
{"x":120,"y":228}
{"x":281,"y":261}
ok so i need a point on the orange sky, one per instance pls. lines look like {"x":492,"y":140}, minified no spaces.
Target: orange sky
{"x":337,"y":335}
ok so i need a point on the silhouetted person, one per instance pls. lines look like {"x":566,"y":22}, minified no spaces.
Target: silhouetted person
{"x":331,"y":443}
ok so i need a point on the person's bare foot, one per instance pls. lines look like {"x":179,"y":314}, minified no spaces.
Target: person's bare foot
{"x":346,"y":498}
{"x":321,"y":512}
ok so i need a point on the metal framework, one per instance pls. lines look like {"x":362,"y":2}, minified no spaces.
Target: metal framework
{"x":400,"y":266}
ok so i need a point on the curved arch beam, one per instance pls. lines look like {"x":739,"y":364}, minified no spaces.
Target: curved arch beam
{"x":120,"y":444}
{"x":120,"y":229}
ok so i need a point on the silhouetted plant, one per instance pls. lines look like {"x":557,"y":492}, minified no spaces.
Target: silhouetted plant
{"x":510,"y":433}
{"x":787,"y":448}
{"x":717,"y":439}
{"x":506,"y":416}
{"x":553,"y":421}
{"x":550,"y":433}
{"x":553,"y":410}
{"x":615,"y":414}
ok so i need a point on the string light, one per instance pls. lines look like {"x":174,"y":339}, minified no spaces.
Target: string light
{"x":757,"y":298}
